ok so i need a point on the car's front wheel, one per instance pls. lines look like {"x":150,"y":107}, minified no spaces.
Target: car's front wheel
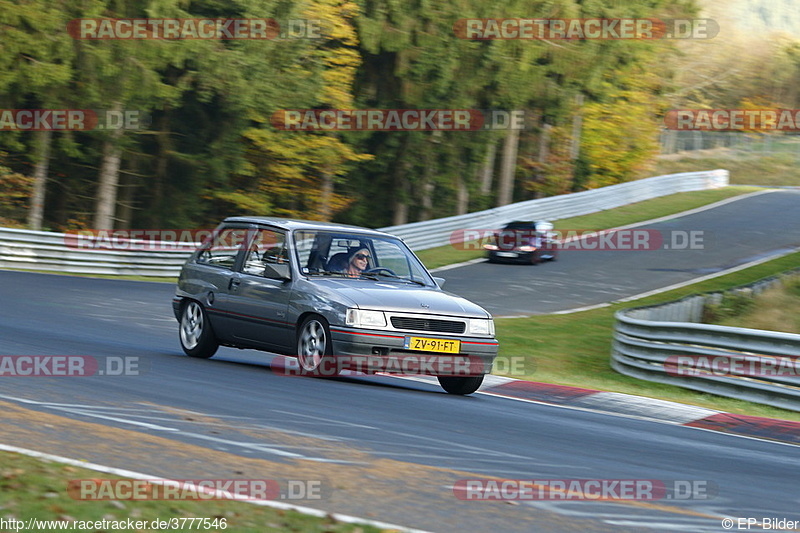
{"x":314,"y":348}
{"x":197,"y":337}
{"x":459,"y":384}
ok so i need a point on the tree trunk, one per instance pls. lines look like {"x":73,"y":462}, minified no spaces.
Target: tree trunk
{"x":487,"y":174}
{"x":400,"y":207}
{"x":462,"y":196}
{"x":577,"y":123}
{"x":109,"y":179}
{"x":400,"y":186}
{"x":509,"y":164}
{"x":426,"y":201}
{"x":36,"y":213}
{"x":125,"y":204}
{"x":326,"y":196}
{"x":544,"y":143}
{"x":159,"y":203}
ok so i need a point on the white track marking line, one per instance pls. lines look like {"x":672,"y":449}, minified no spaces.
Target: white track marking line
{"x":348,"y":519}
{"x":635,"y":417}
{"x":81,"y":411}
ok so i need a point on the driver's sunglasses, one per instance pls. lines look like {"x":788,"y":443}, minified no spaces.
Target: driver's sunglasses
{"x":362,"y":256}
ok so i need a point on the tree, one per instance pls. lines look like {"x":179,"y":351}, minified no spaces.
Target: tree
{"x":35,"y":69}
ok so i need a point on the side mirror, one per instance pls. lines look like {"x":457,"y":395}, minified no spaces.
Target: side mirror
{"x":277,"y":271}
{"x":439,"y":281}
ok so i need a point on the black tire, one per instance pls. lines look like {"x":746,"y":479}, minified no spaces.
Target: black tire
{"x":536,"y":257}
{"x":315,"y":349}
{"x":197,"y":337}
{"x":460,"y":385}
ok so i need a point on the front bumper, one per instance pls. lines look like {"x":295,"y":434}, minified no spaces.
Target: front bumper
{"x":510,"y":256}
{"x":376,"y":351}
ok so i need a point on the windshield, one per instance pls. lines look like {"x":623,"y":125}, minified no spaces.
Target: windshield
{"x":353,"y":255}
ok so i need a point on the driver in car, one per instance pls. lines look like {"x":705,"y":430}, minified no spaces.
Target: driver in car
{"x":359,"y":262}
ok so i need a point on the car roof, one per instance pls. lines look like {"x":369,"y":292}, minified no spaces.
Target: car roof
{"x":297,"y":224}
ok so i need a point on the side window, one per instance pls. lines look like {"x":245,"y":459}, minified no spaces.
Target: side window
{"x":222,"y":249}
{"x":267,"y":248}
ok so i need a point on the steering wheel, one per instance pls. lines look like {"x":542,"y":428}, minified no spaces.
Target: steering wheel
{"x":378,"y":270}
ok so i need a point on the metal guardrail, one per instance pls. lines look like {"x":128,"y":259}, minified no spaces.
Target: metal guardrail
{"x":432,"y":233}
{"x":665,"y":344}
{"x":59,"y":252}
{"x":51,"y":252}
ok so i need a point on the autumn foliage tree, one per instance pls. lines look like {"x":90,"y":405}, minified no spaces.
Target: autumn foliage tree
{"x":209,"y":148}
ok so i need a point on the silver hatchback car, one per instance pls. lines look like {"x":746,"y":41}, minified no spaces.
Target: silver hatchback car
{"x":334,"y":296}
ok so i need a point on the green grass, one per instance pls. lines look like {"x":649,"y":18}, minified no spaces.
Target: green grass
{"x":776,"y":309}
{"x":745,"y":167}
{"x":612,"y":218}
{"x":35,"y":488}
{"x":575,"y":349}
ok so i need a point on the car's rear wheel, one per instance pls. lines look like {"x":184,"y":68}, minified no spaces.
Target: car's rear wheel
{"x":459,"y":384}
{"x":314,"y":348}
{"x":197,"y":337}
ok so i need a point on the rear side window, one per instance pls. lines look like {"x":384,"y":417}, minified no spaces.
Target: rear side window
{"x":267,"y":247}
{"x":221,"y":250}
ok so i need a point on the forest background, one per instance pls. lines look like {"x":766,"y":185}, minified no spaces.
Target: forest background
{"x":594,"y":108}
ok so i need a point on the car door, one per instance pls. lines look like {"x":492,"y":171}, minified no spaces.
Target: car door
{"x":211,"y":275}
{"x":260,"y":293}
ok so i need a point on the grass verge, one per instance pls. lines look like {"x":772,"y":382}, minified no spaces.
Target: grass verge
{"x":611,"y":218}
{"x":32,"y":488}
{"x":777,"y":309}
{"x":575,"y":349}
{"x":749,"y":168}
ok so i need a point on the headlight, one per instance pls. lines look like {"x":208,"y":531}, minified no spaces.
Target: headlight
{"x":360,"y":318}
{"x":481,"y":326}
{"x":527,"y":248}
{"x":490,"y":247}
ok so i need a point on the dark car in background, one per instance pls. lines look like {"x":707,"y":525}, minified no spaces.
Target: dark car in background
{"x":283,"y":286}
{"x":523,"y":241}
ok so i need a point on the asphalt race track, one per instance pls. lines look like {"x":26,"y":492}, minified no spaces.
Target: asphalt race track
{"x":730,"y":235}
{"x":385,"y":448}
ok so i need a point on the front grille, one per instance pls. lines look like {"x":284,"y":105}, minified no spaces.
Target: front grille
{"x":428,"y":324}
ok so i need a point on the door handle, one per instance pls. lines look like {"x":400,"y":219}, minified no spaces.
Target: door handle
{"x":233,"y":283}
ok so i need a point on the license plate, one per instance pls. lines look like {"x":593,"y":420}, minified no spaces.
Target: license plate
{"x":432,"y":345}
{"x":507,"y":254}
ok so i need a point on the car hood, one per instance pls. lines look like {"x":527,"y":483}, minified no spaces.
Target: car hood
{"x":402,"y":297}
